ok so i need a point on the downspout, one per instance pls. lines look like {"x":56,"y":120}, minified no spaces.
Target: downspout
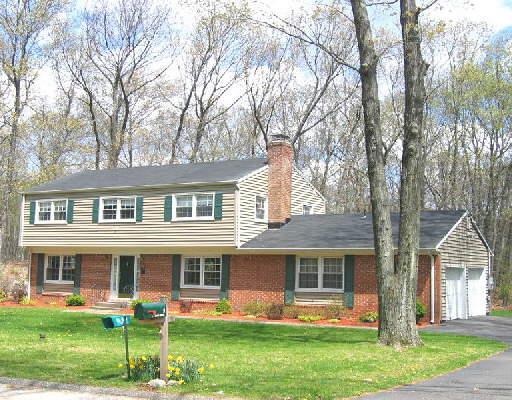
{"x":432,"y":289}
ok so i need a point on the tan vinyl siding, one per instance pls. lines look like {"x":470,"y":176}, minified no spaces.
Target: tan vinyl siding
{"x":152,"y":231}
{"x":303,"y":193}
{"x":318,"y":298}
{"x":58,"y":287}
{"x":201,"y":294}
{"x":256,"y":184}
{"x":463,"y":247}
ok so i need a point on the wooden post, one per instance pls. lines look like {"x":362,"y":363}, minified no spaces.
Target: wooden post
{"x":127,"y":354}
{"x":164,"y":342}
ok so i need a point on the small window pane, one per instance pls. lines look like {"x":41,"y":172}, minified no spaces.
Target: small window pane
{"x":260,"y":207}
{"x":68,"y":268}
{"x":60,"y":210}
{"x":110,"y":209}
{"x":212,"y":268}
{"x":192,"y":271}
{"x":307,"y":210}
{"x":127,"y":208}
{"x":183,"y":206}
{"x":333,"y":273}
{"x":52,"y":271}
{"x":204,"y":205}
{"x":45,"y":210}
{"x":308,"y":273}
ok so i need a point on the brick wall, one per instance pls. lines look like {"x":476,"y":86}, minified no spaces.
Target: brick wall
{"x":155,"y":276}
{"x":256,"y":277}
{"x":95,"y":277}
{"x":280,"y":160}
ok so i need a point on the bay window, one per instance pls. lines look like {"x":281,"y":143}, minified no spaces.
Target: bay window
{"x":193,"y":206}
{"x":51,"y":211}
{"x":323,"y":274}
{"x":117,"y":209}
{"x":60,"y":269}
{"x":201,"y":272}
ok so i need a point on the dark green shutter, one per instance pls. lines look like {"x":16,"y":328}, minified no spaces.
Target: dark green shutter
{"x":349,"y":281}
{"x":224,"y":284}
{"x":40,"y":273}
{"x":70,"y":211}
{"x":168,"y":208}
{"x":217,"y":212}
{"x":139,"y":209}
{"x":289,"y":292}
{"x":32,"y":216}
{"x":78,"y":273}
{"x":95,"y":210}
{"x":176,"y":276}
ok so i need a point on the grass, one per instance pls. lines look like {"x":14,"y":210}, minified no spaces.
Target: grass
{"x":501,"y":313}
{"x":252,"y":360}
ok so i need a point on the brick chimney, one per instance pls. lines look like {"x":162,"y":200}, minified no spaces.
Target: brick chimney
{"x":280,"y":164}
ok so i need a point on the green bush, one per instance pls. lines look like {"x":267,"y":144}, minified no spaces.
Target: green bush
{"x":275,"y":311}
{"x":505,"y":294}
{"x":75,"y":300}
{"x":292,"y":312}
{"x":223,"y":306}
{"x":370,"y":316}
{"x":25,"y":301}
{"x":310,"y":318}
{"x":421,"y":310}
{"x":256,"y":308}
{"x":3,"y":296}
{"x":134,"y":303}
{"x":145,"y":368}
{"x":334,"y":310}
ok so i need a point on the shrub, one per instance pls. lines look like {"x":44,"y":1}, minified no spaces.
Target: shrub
{"x":223,"y":307}
{"x":291,"y":312}
{"x":145,"y":368}
{"x":275,"y":311}
{"x":25,"y":301}
{"x":134,"y":303}
{"x":333,"y":320}
{"x":334,"y":310}
{"x":310,"y":318}
{"x":505,"y":294}
{"x":3,"y":296}
{"x":186,"y":306}
{"x":370,"y":316}
{"x":256,"y":308}
{"x":75,"y":300}
{"x":421,"y":310}
{"x":18,"y":291}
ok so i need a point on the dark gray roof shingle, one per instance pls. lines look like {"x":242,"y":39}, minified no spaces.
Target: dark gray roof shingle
{"x":349,"y":231}
{"x":212,"y":172}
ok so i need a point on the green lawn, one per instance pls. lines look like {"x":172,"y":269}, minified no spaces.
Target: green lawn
{"x":252,"y":360}
{"x":501,"y":313}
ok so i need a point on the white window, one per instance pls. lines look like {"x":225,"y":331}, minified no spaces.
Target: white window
{"x":307,"y":209}
{"x":51,"y":211}
{"x":193,"y":206}
{"x":201,"y":272}
{"x":261,"y":210}
{"x":117,"y":209}
{"x":60,"y":269}
{"x":320,"y":274}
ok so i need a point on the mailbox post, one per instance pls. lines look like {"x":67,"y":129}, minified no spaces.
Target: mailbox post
{"x":118,"y":321}
{"x":164,"y":342}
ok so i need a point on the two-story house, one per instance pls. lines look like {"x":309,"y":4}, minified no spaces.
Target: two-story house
{"x":245,"y":230}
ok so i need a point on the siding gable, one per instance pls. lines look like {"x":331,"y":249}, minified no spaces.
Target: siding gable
{"x":304,"y":193}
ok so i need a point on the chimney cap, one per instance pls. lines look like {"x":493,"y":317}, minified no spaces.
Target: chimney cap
{"x":279,"y":137}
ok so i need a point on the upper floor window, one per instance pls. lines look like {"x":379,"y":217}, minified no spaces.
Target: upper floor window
{"x":49,"y":211}
{"x":320,"y":274}
{"x":201,"y":272}
{"x":118,"y":209}
{"x":60,"y":269}
{"x":307,"y":209}
{"x":261,"y":210}
{"x":193,"y":206}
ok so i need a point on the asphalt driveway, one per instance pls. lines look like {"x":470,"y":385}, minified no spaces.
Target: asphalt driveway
{"x":489,"y":379}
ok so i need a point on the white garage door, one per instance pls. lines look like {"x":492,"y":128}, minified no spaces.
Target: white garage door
{"x":476,"y":291}
{"x":455,"y":293}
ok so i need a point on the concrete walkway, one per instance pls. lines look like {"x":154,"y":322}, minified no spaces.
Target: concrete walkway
{"x":490,"y":379}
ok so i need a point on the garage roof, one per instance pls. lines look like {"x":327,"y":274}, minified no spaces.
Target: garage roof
{"x":349,"y":231}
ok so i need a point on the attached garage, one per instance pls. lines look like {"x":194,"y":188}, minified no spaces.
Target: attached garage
{"x":465,"y":269}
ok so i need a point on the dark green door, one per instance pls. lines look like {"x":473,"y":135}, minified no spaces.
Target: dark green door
{"x":126,"y":268}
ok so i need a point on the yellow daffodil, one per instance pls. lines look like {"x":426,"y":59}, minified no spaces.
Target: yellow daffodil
{"x":143,"y":358}
{"x":181,"y":381}
{"x":120,"y":365}
{"x":212,"y":366}
{"x":170,"y":357}
{"x":200,"y":370}
{"x":180,"y":359}
{"x":168,"y":375}
{"x":177,"y":372}
{"x":132,"y":366}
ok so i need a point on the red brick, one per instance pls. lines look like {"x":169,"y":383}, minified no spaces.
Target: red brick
{"x":280,"y":161}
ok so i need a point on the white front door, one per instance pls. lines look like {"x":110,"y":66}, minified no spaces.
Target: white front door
{"x":477,"y":291}
{"x":455,"y":294}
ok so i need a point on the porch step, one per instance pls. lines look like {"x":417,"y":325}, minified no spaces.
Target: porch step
{"x":113,"y":305}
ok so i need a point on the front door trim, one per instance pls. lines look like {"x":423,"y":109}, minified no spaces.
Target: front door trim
{"x":114,"y":275}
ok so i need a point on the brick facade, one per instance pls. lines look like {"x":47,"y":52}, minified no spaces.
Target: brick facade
{"x":155,"y":276}
{"x":256,"y":277}
{"x":95,"y":277}
{"x":280,"y":162}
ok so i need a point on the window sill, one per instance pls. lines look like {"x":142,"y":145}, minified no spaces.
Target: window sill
{"x":320,"y":290}
{"x":193,"y":219}
{"x":61,"y":282}
{"x":261,"y":221}
{"x":118,"y":221}
{"x":50,"y":223}
{"x":199,"y":287}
